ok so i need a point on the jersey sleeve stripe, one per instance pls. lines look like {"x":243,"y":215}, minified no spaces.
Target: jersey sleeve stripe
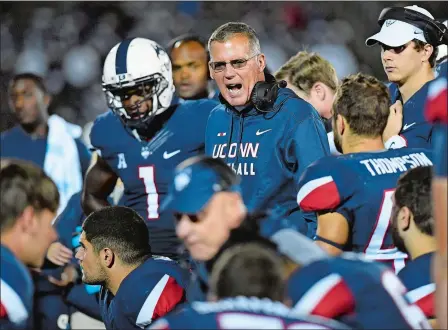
{"x":12,"y":303}
{"x":419,"y":293}
{"x":320,"y":298}
{"x":318,"y":194}
{"x":426,"y":304}
{"x":172,"y":295}
{"x":436,"y":106}
{"x":146,"y":313}
{"x":161,"y":324}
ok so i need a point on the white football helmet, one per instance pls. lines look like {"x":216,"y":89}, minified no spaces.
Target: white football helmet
{"x":132,"y":66}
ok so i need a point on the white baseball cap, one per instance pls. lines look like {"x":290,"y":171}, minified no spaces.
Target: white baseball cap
{"x":396,"y":33}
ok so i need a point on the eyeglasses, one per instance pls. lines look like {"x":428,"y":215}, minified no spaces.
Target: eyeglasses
{"x":236,"y":64}
{"x":192,"y":217}
{"x":395,"y":50}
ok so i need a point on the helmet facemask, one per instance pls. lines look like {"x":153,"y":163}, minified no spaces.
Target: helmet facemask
{"x":150,"y":87}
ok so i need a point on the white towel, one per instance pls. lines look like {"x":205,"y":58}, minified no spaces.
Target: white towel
{"x":62,"y":162}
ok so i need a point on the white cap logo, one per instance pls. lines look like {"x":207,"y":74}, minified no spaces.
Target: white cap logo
{"x":182,"y":180}
{"x":389,"y":22}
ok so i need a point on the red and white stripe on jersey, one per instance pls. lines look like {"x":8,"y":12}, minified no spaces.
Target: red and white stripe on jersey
{"x":318,"y":194}
{"x":3,"y":313}
{"x":330,"y":297}
{"x":165,"y":295}
{"x":161,"y":324}
{"x":436,"y":103}
{"x":423,"y":297}
{"x":11,"y":304}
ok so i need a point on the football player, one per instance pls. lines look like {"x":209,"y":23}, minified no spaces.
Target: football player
{"x":30,"y":200}
{"x":143,"y":138}
{"x":437,"y":112}
{"x":191,"y":77}
{"x":247,"y":292}
{"x":413,"y":233}
{"x":137,"y":287}
{"x":409,"y":40}
{"x":352,"y":193}
{"x":348,"y":288}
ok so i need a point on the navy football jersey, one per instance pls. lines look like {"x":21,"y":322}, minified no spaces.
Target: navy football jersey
{"x":16,"y":143}
{"x":242,"y":313}
{"x":416,"y":131}
{"x":436,"y":112}
{"x":416,"y":276}
{"x":270,"y":151}
{"x":350,"y":288}
{"x":16,"y":292}
{"x":150,"y":291}
{"x":360,"y":186}
{"x":146,"y":168}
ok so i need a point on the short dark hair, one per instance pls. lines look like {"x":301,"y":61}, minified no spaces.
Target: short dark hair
{"x":38,"y":80}
{"x":414,"y":192}
{"x":122,"y":230}
{"x":419,"y":45}
{"x":364,"y":102}
{"x":249,"y":270}
{"x":183,"y":39}
{"x":232,"y":29}
{"x":24,"y":184}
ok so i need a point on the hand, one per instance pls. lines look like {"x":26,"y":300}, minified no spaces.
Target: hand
{"x":394,"y":122}
{"x":59,"y":254}
{"x":69,"y":275}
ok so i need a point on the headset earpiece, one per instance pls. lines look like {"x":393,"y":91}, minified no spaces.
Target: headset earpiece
{"x":265,"y":93}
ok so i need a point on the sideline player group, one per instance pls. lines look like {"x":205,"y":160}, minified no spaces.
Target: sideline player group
{"x":264,"y":202}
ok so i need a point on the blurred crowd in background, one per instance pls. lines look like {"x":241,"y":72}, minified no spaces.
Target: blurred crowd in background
{"x":66,"y":42}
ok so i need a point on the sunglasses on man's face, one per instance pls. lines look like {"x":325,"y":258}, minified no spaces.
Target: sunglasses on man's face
{"x":192,"y":217}
{"x":395,"y":50}
{"x":236,"y":64}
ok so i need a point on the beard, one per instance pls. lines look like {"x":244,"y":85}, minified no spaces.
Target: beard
{"x":94,"y":277}
{"x":337,"y":141}
{"x":396,"y":238}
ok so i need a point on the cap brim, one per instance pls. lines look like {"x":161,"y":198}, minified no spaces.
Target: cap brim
{"x":387,"y":39}
{"x":184,"y":205}
{"x":298,"y":247}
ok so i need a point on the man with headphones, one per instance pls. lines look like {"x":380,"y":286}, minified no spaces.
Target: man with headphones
{"x":263,"y":131}
{"x":409,"y":38}
{"x":189,"y":58}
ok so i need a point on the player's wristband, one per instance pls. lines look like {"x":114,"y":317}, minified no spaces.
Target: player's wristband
{"x":336,"y":245}
{"x":395,"y":142}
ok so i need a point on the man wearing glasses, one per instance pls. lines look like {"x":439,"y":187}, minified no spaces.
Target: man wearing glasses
{"x":408,"y":38}
{"x":266,"y":134}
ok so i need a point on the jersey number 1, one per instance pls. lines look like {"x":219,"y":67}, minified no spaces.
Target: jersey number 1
{"x":147,"y":174}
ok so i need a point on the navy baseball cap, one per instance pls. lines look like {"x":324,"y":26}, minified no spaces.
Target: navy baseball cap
{"x":193,"y":186}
